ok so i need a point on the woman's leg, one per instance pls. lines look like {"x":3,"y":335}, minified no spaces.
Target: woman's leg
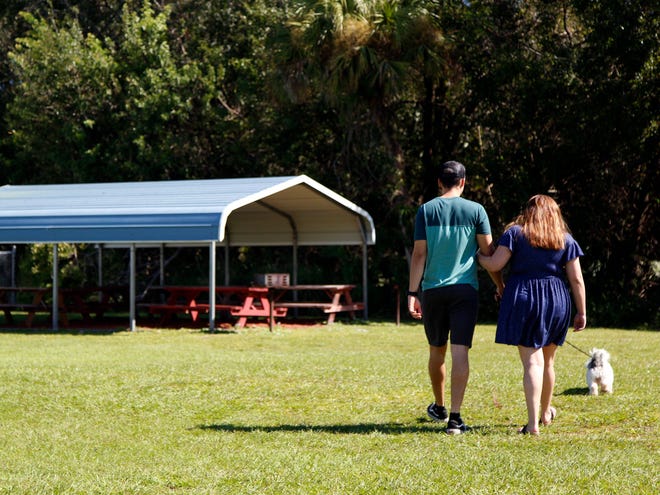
{"x":547,"y":411}
{"x":532,"y":361}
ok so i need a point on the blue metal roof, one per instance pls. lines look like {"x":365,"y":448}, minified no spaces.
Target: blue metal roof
{"x":248,"y":211}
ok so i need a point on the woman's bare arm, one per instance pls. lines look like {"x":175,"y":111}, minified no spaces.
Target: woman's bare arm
{"x":574,"y":275}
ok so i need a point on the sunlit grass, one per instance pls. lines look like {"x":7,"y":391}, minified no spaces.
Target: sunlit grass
{"x":315,"y":410}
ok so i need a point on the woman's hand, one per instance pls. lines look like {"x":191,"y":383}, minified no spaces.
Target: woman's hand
{"x":579,"y":322}
{"x":499,"y":291}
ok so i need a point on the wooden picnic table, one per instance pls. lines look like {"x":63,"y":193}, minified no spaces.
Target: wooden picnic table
{"x":240,"y":301}
{"x":35,"y":303}
{"x":82,"y":300}
{"x":93,"y":300}
{"x":336,"y":298}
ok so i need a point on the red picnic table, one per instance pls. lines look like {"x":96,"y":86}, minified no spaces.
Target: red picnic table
{"x":11,"y":299}
{"x":34,"y":300}
{"x":88,"y":300}
{"x":336,"y":299}
{"x":241,"y":301}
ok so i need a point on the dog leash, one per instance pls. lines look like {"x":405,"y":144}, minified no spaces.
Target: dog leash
{"x":576,"y":347}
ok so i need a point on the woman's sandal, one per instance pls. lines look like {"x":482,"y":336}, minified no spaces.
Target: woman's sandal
{"x":525,"y":431}
{"x":553,"y":415}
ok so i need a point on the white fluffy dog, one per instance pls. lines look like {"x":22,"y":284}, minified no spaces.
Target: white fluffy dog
{"x":600,"y":375}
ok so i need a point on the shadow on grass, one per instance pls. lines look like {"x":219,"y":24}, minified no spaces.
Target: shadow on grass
{"x":359,"y":428}
{"x":90,"y":330}
{"x":103,"y":326}
{"x":342,"y":429}
{"x":575,"y":391}
{"x":63,"y":331}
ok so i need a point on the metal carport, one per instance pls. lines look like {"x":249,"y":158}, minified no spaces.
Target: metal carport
{"x":260,"y":211}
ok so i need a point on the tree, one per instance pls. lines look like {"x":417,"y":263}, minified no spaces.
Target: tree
{"x":357,"y":66}
{"x":65,"y":87}
{"x":612,"y":136}
{"x":367,"y":96}
{"x":562,"y":95}
{"x":90,"y":110}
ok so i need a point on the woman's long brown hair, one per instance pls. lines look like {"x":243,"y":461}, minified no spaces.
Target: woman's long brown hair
{"x":542,"y":223}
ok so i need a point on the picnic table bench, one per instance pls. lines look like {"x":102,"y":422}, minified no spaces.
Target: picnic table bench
{"x":338,"y":298}
{"x":93,"y":300}
{"x":33,"y":300}
{"x":12,"y":299}
{"x":242,"y":302}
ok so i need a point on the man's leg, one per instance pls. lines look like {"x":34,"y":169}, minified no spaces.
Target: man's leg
{"x":438,"y":372}
{"x":460,"y":372}
{"x":463,"y":318}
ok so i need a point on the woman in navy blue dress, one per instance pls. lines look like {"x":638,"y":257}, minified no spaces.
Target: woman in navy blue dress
{"x":536,"y":305}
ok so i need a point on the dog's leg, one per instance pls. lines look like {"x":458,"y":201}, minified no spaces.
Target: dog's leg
{"x":593,"y":389}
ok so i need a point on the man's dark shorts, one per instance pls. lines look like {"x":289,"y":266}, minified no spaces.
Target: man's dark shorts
{"x":454,"y":308}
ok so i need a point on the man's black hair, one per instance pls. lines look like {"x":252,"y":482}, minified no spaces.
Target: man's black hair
{"x":450,"y":173}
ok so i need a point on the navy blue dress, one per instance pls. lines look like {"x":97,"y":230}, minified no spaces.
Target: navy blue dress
{"x":536,"y":306}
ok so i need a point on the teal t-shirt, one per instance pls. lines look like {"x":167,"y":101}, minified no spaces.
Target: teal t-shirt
{"x":450,"y":227}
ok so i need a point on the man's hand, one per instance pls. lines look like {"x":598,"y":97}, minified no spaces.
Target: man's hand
{"x":414,"y":307}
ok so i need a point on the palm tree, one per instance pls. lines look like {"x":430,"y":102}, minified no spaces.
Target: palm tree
{"x":364,"y":57}
{"x":380,"y":65}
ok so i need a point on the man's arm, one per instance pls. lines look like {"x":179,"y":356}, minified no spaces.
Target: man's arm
{"x":417,"y":265}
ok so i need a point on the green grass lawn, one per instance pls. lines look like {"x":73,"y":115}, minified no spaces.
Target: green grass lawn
{"x":317,"y":410}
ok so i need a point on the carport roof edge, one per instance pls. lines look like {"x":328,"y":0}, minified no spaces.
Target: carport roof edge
{"x":182,"y":211}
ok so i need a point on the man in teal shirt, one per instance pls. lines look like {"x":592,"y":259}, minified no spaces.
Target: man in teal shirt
{"x":449,"y":230}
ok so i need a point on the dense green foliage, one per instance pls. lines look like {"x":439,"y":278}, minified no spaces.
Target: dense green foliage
{"x":366,"y":97}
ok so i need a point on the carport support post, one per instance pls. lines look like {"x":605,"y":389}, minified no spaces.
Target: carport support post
{"x":227,"y":258}
{"x":131,"y":296}
{"x":212,"y":286}
{"x":56,"y":303}
{"x":99,"y":253}
{"x":364,"y":280}
{"x":161,"y":258}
